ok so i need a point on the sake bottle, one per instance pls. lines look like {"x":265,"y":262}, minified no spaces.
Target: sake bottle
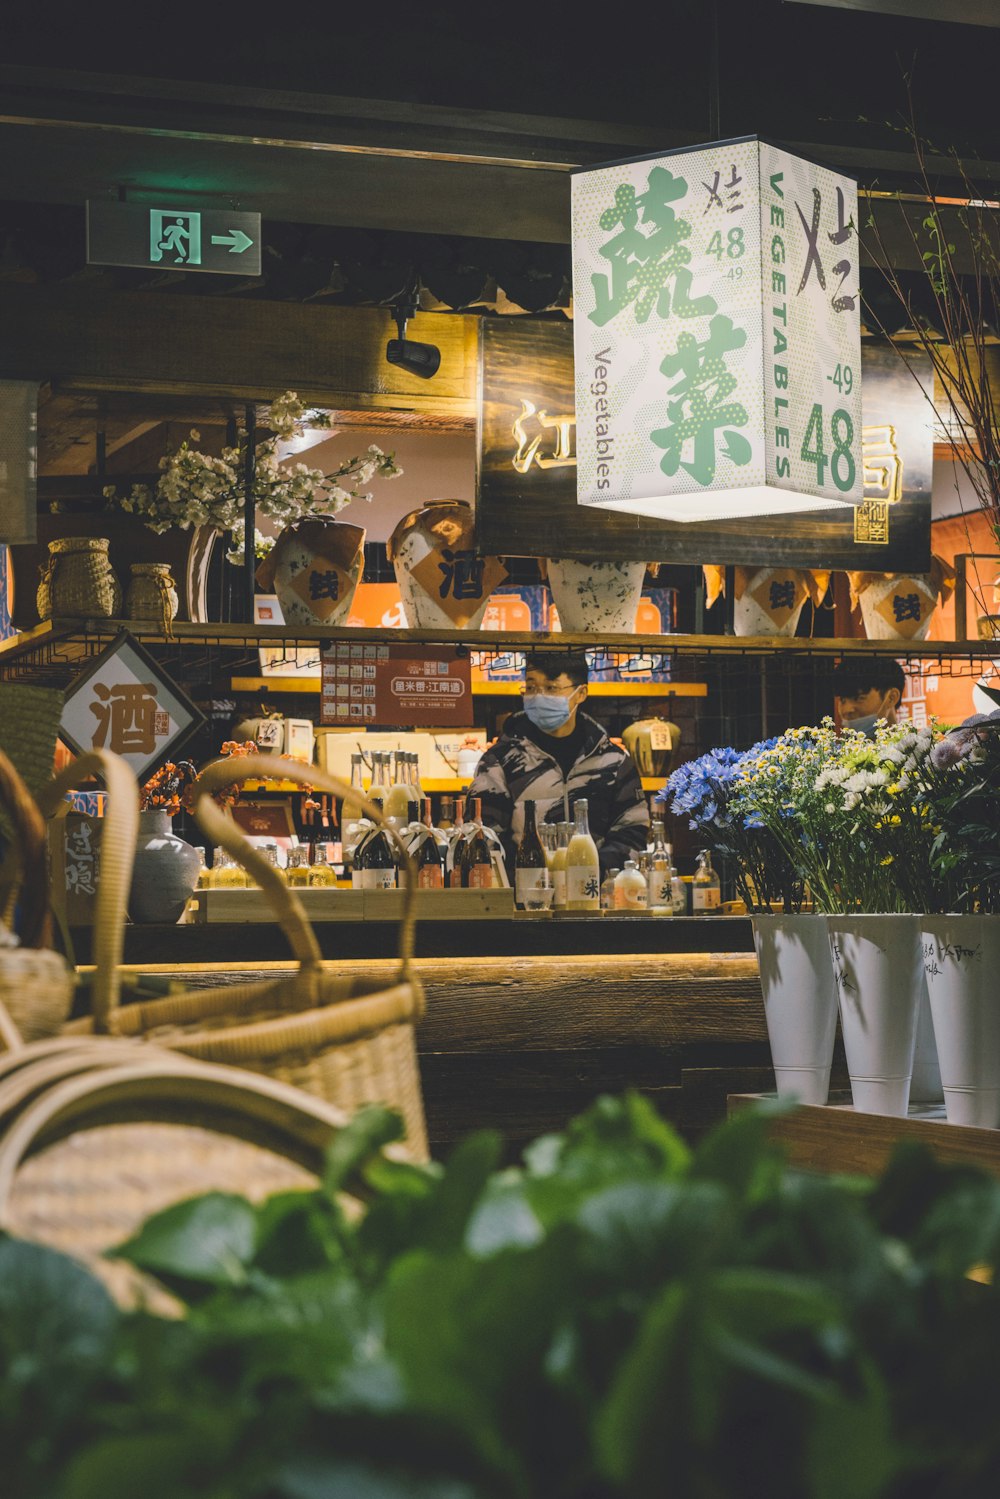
{"x":428,"y":855}
{"x":379,"y":789}
{"x":706,"y":888}
{"x":477,"y":862}
{"x":583,"y":867}
{"x":658,"y":875}
{"x":379,"y":871}
{"x":529,"y":861}
{"x":608,"y":890}
{"x":396,"y":804}
{"x":630,"y":888}
{"x":557,"y":866}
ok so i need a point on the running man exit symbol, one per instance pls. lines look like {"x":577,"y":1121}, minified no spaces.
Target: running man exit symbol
{"x":221,"y":240}
{"x":175,"y":237}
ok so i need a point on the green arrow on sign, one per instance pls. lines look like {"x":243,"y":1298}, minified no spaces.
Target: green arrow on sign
{"x":235,"y":239}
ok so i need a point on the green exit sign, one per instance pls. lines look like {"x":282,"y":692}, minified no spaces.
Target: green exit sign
{"x":176,"y":239}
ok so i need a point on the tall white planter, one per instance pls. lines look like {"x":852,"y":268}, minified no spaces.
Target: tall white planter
{"x":875,"y":962}
{"x":800,"y":1002}
{"x":596,"y":596}
{"x":961,"y":961}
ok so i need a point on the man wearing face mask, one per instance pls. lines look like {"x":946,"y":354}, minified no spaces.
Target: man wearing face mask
{"x":553,"y":754}
{"x":867,"y":691}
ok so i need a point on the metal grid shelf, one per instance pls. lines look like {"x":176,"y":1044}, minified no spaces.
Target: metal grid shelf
{"x":53,"y":652}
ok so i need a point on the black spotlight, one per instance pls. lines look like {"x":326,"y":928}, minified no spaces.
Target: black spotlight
{"x":419,"y":359}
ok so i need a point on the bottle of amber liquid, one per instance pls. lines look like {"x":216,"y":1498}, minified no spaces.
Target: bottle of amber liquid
{"x":706,"y":888}
{"x":529,"y":862}
{"x":583,"y":866}
{"x":477,"y":863}
{"x":297,"y":867}
{"x":428,"y":855}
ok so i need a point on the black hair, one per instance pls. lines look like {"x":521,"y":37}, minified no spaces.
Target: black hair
{"x":853,"y":678}
{"x":552,"y":664}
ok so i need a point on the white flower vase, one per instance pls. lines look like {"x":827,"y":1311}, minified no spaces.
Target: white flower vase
{"x":800,"y":1002}
{"x":596,"y":597}
{"x":925,"y":1082}
{"x":961,"y":961}
{"x":875,"y":962}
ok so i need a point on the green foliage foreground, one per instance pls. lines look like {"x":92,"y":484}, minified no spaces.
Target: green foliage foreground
{"x":618,"y":1316}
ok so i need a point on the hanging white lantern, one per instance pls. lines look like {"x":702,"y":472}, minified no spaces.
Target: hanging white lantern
{"x":717,"y":334}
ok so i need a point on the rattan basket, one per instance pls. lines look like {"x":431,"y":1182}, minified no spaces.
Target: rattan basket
{"x":78,"y":581}
{"x":348,"y":1041}
{"x":36,"y":984}
{"x":116,"y":1132}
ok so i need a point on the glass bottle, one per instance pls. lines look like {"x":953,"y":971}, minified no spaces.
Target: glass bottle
{"x":658,"y":875}
{"x":226,"y":874}
{"x":380,"y":871}
{"x":366,"y":831}
{"x":447,"y":818}
{"x":297,"y":867}
{"x":530,"y":860}
{"x":583,"y":866}
{"x":678,"y":894}
{"x":428,"y":855}
{"x":322,"y":871}
{"x":416,"y":791}
{"x":477,"y":861}
{"x":456,"y":850}
{"x":270,"y":852}
{"x":706,"y":888}
{"x":350,"y":813}
{"x":204,"y":873}
{"x":557,"y":866}
{"x":379,"y":789}
{"x":396,"y":804}
{"x":631,"y":893}
{"x":608,"y":890}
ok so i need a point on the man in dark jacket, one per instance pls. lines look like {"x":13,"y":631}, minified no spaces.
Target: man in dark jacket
{"x":553,"y":754}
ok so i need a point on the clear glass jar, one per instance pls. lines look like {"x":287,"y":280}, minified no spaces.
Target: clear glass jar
{"x":297,"y":867}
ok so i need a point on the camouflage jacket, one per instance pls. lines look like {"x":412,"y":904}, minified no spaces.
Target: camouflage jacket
{"x":517,"y":769}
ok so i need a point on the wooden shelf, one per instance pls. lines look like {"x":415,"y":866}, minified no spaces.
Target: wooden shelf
{"x":840,"y":1138}
{"x":275,"y":685}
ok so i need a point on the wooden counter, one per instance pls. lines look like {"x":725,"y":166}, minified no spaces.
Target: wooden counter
{"x":521,"y":1043}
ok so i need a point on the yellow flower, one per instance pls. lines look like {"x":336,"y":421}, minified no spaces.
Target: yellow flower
{"x":886,"y":861}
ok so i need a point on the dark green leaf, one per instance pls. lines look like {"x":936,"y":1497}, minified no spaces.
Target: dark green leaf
{"x":332,"y":1477}
{"x":364,"y":1136}
{"x":207,"y":1241}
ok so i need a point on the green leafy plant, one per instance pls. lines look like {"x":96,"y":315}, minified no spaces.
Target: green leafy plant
{"x":619,"y":1315}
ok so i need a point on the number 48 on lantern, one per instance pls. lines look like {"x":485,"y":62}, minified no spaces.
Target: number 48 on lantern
{"x":841,"y":460}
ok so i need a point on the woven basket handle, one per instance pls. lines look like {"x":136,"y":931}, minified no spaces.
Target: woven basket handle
{"x":172,"y":1090}
{"x":118,"y":840}
{"x":282,"y":897}
{"x":24,"y":874}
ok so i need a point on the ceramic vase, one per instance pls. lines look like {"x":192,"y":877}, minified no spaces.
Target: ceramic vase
{"x":770,"y":601}
{"x":876,"y":970}
{"x":314,"y":568}
{"x":800,"y":1002}
{"x":961,"y":963}
{"x":165,"y":871}
{"x":595,"y":597}
{"x":443,"y":583}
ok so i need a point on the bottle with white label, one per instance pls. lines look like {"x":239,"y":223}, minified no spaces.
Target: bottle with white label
{"x":583,"y":866}
{"x":630,"y":888}
{"x":530,"y":864}
{"x":678,"y":894}
{"x":706,"y":889}
{"x":658,"y":875}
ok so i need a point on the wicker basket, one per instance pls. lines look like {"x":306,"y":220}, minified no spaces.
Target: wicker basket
{"x":89,"y":1152}
{"x":152,"y":595}
{"x":36,"y":984}
{"x":78,"y":581}
{"x":348,"y":1041}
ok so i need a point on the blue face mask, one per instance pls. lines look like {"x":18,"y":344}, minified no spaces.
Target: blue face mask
{"x":548,"y":711}
{"x":864,"y":725}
